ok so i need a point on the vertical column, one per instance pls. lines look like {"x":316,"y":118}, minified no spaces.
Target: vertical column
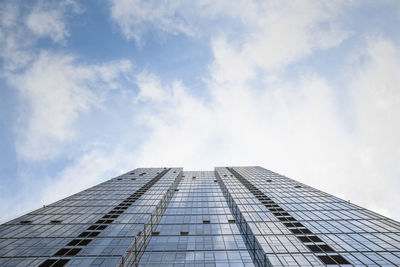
{"x":134,"y":252}
{"x":255,"y":250}
{"x":133,"y":212}
{"x":294,"y":226}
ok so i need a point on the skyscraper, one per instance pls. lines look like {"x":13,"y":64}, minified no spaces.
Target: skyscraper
{"x":232,"y":216}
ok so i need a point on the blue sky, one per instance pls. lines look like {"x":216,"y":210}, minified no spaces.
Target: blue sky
{"x":90,"y":89}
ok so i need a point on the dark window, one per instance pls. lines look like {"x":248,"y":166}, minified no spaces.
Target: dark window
{"x":206,"y":221}
{"x":110,"y":216}
{"x":340,"y":260}
{"x":326,"y":248}
{"x":25,"y":222}
{"x":97,"y":227}
{"x":304,"y":239}
{"x":61,"y":252}
{"x":54,"y":263}
{"x":47,"y":263}
{"x":84,"y":234}
{"x":326,"y":259}
{"x":184,"y":233}
{"x":298,"y":186}
{"x":231,"y":221}
{"x":295,"y":231}
{"x":315,"y":239}
{"x":94,"y":234}
{"x":84,"y":242}
{"x":155,"y":233}
{"x":55,"y":222}
{"x":73,"y":252}
{"x":60,"y":263}
{"x":105,"y":221}
{"x":79,"y":242}
{"x":314,"y":248}
{"x":74,"y":242}
{"x":289,"y":224}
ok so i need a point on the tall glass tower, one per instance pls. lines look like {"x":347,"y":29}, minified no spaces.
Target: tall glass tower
{"x":232,"y":216}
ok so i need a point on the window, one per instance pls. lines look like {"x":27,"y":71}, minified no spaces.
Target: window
{"x":54,"y":263}
{"x":79,"y":242}
{"x":340,"y":260}
{"x":61,"y":252}
{"x":326,"y":259}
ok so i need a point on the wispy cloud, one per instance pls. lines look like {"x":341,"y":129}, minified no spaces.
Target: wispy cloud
{"x":263,"y":101}
{"x":21,"y":26}
{"x":136,"y":17}
{"x":55,"y":90}
{"x":291,"y":127}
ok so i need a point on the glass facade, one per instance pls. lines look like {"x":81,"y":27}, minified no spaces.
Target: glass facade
{"x":197,"y":228}
{"x":297,"y":225}
{"x":94,"y":227}
{"x":232,"y":216}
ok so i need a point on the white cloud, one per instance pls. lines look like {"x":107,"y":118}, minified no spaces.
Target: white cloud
{"x":278,"y":36}
{"x":292,"y":127}
{"x":272,"y":33}
{"x":55,"y":90}
{"x":47,"y":19}
{"x":375,"y":89}
{"x":47,"y":23}
{"x":21,"y":26}
{"x":13,"y":38}
{"x":135,"y":17}
{"x":150,"y":88}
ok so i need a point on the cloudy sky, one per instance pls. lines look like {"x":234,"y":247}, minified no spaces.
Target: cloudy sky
{"x":91,"y":89}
